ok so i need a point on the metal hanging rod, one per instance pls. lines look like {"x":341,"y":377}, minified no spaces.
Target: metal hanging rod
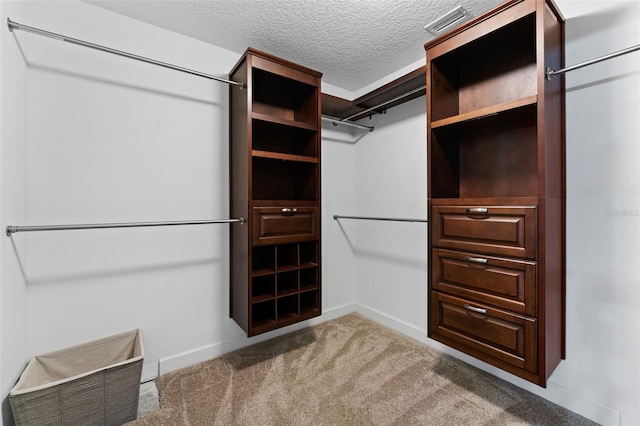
{"x":392,"y":219}
{"x":16,"y":26}
{"x":337,"y":121}
{"x":397,"y":98}
{"x":551,"y":72}
{"x":15,"y":229}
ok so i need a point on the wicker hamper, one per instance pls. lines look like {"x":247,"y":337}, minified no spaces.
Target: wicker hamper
{"x":96,"y":383}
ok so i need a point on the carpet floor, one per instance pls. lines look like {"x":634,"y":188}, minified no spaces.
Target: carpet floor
{"x":347,"y":371}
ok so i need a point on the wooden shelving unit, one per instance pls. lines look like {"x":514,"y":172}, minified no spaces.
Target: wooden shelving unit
{"x":275,"y":184}
{"x":496,"y":197}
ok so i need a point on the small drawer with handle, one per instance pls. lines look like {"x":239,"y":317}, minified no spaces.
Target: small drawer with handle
{"x":493,"y":335}
{"x":285,"y":224}
{"x":502,"y":230}
{"x":505,"y":283}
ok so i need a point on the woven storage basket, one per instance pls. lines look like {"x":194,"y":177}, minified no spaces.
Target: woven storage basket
{"x":96,"y":383}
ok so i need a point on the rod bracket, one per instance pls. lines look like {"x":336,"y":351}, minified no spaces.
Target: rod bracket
{"x":549,"y":73}
{"x":10,"y":230}
{"x":11,"y":24}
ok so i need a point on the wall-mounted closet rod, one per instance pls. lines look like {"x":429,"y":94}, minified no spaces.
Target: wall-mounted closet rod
{"x":14,"y":229}
{"x":397,"y":98}
{"x":16,"y":26}
{"x":392,"y":219}
{"x":551,"y":72}
{"x":337,"y":121}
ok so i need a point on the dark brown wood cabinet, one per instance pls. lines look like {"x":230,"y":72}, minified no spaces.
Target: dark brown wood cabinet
{"x":496,"y":188}
{"x":275,"y":185}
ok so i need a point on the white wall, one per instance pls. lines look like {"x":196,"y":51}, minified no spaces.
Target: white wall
{"x":89,"y":137}
{"x":391,"y":181}
{"x":600,"y":378}
{"x":13,"y":294}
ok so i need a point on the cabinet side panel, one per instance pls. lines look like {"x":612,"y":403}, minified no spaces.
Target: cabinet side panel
{"x":551,"y":284}
{"x":239,"y":126}
{"x":552,"y":170}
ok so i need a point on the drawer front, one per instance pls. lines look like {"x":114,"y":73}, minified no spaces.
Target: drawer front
{"x":502,"y":230}
{"x":495,"y":334}
{"x":504,"y":283}
{"x":278,"y":225}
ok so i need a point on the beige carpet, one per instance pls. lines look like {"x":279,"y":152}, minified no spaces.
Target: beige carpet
{"x":348,"y":371}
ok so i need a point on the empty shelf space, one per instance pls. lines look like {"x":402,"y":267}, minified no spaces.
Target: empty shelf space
{"x":284,"y":157}
{"x":284,"y":121}
{"x":485,"y":112}
{"x":262,"y":272}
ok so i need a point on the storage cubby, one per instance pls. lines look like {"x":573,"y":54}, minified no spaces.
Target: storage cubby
{"x":285,"y":98}
{"x":309,"y":302}
{"x":308,"y":254}
{"x":496,"y":196}
{"x":275,"y":179}
{"x":465,"y":79}
{"x":263,"y":287}
{"x":279,"y":138}
{"x":287,"y":307}
{"x":287,"y":257}
{"x":308,"y":278}
{"x":471,"y":159}
{"x":263,"y":313}
{"x":287,"y":283}
{"x":263,"y":261}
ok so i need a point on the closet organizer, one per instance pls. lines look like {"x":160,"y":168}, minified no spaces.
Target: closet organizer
{"x":275,"y":184}
{"x":496,"y":189}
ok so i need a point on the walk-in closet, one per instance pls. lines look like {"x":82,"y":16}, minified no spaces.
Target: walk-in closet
{"x":241,"y":212}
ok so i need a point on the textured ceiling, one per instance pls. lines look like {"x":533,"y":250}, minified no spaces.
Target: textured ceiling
{"x":352,"y":42}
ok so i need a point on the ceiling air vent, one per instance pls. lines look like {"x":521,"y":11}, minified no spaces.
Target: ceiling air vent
{"x":447,"y":21}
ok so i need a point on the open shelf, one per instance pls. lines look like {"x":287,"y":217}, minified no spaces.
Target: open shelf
{"x":308,"y":279}
{"x":263,"y":288}
{"x":282,"y":121}
{"x":287,"y":283}
{"x":287,"y":307}
{"x":263,"y":313}
{"x":284,"y":180}
{"x":471,"y":159}
{"x":283,"y":98}
{"x":464,"y":80}
{"x":287,"y":139}
{"x":483,"y":113}
{"x":284,"y":157}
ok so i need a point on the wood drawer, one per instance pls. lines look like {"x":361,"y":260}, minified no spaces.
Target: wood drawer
{"x":502,"y":230}
{"x":284,"y":224}
{"x":504,"y":283}
{"x":495,"y":336}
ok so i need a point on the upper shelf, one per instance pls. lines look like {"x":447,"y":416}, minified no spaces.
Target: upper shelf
{"x":283,"y":121}
{"x":484,"y":112}
{"x":357,"y":109}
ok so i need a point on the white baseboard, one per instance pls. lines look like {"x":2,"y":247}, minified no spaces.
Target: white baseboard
{"x":186,"y":359}
{"x":559,"y":395}
{"x":150,"y":370}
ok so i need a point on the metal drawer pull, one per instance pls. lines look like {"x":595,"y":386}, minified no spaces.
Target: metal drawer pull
{"x":289,"y":211}
{"x":477,"y":210}
{"x":475,"y":259}
{"x":474,"y":309}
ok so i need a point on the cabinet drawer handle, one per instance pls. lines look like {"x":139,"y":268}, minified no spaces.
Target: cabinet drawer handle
{"x":289,"y":211}
{"x":474,"y":309}
{"x":476,"y":210}
{"x":476,"y":259}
